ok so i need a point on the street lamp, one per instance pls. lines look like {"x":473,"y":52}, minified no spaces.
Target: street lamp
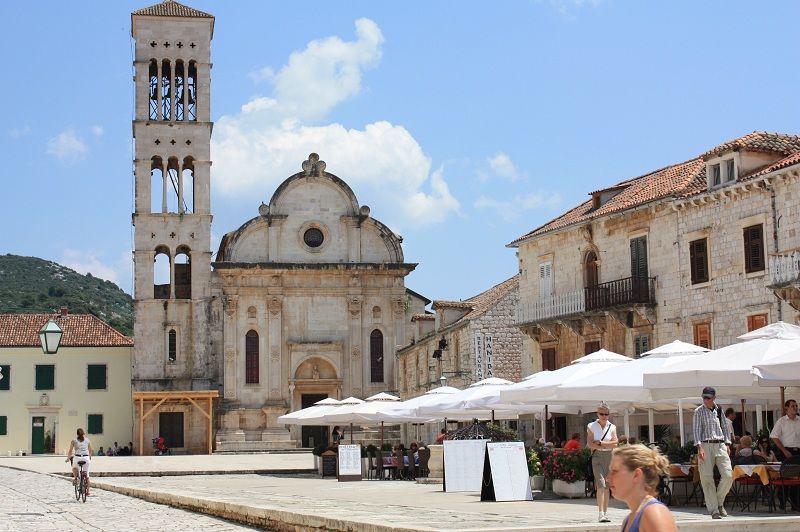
{"x":50,"y":336}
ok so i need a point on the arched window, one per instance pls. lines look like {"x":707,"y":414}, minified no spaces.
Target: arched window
{"x":251,"y":357}
{"x":153,"y":91}
{"x":180,"y":86}
{"x":376,"y":313}
{"x":191,"y":104}
{"x":161,"y":274}
{"x":172,"y":186}
{"x":376,"y":356}
{"x":186,"y":191}
{"x":183,"y":274}
{"x":172,"y":345}
{"x":166,"y":90}
{"x":158,"y":186}
{"x":592,"y":269}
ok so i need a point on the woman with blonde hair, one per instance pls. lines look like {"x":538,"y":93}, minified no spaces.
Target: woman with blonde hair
{"x":634,"y":475}
{"x":601,"y":437}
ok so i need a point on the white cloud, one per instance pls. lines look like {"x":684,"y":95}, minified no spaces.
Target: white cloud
{"x":502,"y":166}
{"x":19,"y":132}
{"x":256,"y":149}
{"x":67,"y":147}
{"x":508,"y":210}
{"x":97,"y":131}
{"x":89,"y":262}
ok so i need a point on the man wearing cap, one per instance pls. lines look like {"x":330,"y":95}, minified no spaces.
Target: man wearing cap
{"x":712,"y":437}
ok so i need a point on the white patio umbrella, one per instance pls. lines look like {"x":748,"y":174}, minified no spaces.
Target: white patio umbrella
{"x":624,"y":382}
{"x":452,"y":405}
{"x":728,"y":369}
{"x":783,"y":370}
{"x":311,"y":415}
{"x":406,"y":411}
{"x":354,"y":413}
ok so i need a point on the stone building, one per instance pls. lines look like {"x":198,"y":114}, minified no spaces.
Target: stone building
{"x":304,"y":301}
{"x":683,"y":252}
{"x":464,"y":342}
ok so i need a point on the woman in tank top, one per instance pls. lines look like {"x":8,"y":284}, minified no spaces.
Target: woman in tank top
{"x":633,"y":477}
{"x":81,"y":449}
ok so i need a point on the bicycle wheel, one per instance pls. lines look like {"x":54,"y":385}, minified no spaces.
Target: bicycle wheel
{"x":84,"y":487}
{"x":77,"y":487}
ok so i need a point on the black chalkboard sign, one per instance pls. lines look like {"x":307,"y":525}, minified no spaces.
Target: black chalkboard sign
{"x":329,"y":468}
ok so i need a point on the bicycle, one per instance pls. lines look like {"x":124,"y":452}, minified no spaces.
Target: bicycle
{"x":82,"y":483}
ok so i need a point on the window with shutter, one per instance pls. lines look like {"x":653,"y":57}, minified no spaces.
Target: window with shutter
{"x":3,"y":425}
{"x":97,"y":377}
{"x":545,"y":279}
{"x":251,"y":357}
{"x":5,"y":382}
{"x":702,"y":335}
{"x":698,"y":260}
{"x":45,"y":376}
{"x":172,"y":345}
{"x":754,"y":249}
{"x":639,"y":257}
{"x":376,"y":356}
{"x":549,"y":359}
{"x":756,"y":322}
{"x":641,"y":344}
{"x":95,"y":424}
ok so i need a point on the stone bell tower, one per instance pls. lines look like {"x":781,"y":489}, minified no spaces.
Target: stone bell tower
{"x":172,"y":210}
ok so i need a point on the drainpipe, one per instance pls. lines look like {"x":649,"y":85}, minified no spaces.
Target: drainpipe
{"x":768,"y":186}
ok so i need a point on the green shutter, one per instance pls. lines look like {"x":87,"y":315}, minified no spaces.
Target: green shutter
{"x":95,"y":424}
{"x":5,"y":382}
{"x":97,"y":377}
{"x":3,"y":425}
{"x":45,"y":377}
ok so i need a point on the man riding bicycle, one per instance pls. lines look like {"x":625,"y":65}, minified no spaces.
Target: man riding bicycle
{"x":81,"y":448}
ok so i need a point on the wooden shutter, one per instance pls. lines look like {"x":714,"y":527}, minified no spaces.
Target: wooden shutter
{"x":545,"y":279}
{"x":3,"y":425}
{"x":45,"y":377}
{"x":756,"y":322}
{"x":96,"y":379}
{"x":5,"y":382}
{"x":172,"y":345}
{"x":251,"y":357}
{"x":698,"y":259}
{"x":639,"y":257}
{"x":754,"y":248}
{"x":95,"y":424}
{"x":641,"y":344}
{"x":549,"y":359}
{"x":702,"y":335}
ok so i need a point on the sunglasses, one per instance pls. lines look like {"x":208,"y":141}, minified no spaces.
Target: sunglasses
{"x":602,"y":413}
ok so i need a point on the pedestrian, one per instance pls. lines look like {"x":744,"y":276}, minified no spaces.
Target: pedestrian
{"x":786,"y":432}
{"x":130,"y":447}
{"x":574,"y":443}
{"x":713,"y":440}
{"x":442,"y":436}
{"x":730,"y":415}
{"x":633,"y":476}
{"x":336,"y":436}
{"x":601,"y":436}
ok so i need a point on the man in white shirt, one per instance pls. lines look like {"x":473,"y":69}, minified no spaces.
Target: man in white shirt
{"x":730,"y":415}
{"x":786,"y":432}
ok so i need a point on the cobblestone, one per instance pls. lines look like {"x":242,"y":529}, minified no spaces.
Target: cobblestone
{"x":35,"y":502}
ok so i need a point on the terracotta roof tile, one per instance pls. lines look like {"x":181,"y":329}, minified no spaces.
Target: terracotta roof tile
{"x":423,"y":317}
{"x":451,"y":304}
{"x":170,"y":8}
{"x":80,"y":330}
{"x":680,"y":180}
{"x":486,"y":300}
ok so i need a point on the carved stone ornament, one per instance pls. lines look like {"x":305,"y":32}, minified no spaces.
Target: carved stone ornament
{"x":275,"y":393}
{"x":230,"y":353}
{"x":274,"y":305}
{"x":44,"y":400}
{"x":356,"y":392}
{"x":230,"y":394}
{"x":313,"y":166}
{"x":275,"y":355}
{"x":230,"y":306}
{"x":356,"y":353}
{"x":399,"y":306}
{"x":354,"y":305}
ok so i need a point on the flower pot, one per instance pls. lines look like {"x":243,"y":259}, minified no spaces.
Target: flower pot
{"x":537,"y":482}
{"x":571,"y":490}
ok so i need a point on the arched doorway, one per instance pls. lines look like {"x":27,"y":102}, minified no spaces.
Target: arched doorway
{"x":314,"y":380}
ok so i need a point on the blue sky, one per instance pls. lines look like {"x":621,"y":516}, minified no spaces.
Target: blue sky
{"x":463,"y":125}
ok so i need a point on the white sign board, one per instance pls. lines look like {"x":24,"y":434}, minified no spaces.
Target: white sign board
{"x":349,"y":460}
{"x":509,"y":471}
{"x":488,"y":353}
{"x":463,"y":464}
{"x":478,"y":356}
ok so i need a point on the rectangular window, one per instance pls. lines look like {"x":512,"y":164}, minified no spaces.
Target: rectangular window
{"x":545,"y":279}
{"x":5,"y":382}
{"x":716,"y":178}
{"x":641,"y":344}
{"x":756,"y":322}
{"x":95,"y":424}
{"x":730,"y":170}
{"x":549,"y":359}
{"x":639,"y":257}
{"x":754,"y":249}
{"x":170,"y":427}
{"x":97,"y":377}
{"x":45,"y":377}
{"x":698,"y":260}
{"x":702,"y":335}
{"x":3,"y":425}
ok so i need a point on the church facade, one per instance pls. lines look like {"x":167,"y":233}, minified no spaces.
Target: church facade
{"x":305,"y":300}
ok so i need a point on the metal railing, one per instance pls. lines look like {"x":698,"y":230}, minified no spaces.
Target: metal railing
{"x":552,"y":306}
{"x":784,"y":268}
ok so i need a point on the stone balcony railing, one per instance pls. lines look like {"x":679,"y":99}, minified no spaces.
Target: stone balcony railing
{"x":784,"y":268}
{"x":613,"y":294}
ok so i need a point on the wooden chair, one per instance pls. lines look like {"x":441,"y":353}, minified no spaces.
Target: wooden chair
{"x":424,"y":458}
{"x":788,"y":483}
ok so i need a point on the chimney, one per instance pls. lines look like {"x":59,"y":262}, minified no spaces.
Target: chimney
{"x":63,"y":312}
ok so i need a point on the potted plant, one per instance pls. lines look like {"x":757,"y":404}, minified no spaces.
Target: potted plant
{"x":567,"y":469}
{"x":535,"y":470}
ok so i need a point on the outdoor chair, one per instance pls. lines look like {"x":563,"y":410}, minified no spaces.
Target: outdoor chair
{"x":787,"y":485}
{"x":372,"y":465}
{"x":424,"y":457}
{"x":385,"y":470}
{"x":741,"y":494}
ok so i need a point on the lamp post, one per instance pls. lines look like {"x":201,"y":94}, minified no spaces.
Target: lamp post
{"x":50,"y":336}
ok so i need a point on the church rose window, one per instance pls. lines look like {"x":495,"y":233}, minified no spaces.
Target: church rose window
{"x":313,"y":237}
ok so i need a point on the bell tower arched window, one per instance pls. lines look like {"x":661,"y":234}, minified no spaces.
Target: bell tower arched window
{"x":166,"y":90}
{"x":376,"y":356}
{"x":251,"y":357}
{"x":153,"y":90}
{"x":191,"y":104}
{"x":183,"y":273}
{"x":162,"y":272}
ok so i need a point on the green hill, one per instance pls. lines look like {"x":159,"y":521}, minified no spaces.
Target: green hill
{"x":32,"y":285}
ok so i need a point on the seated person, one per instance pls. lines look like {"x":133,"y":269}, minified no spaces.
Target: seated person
{"x":110,"y":452}
{"x":101,"y":452}
{"x":413,"y":447}
{"x":763,"y":450}
{"x":574,"y":443}
{"x":745,"y":446}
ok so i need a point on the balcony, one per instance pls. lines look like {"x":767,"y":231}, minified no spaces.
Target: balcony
{"x":784,"y":277}
{"x":627,"y":292}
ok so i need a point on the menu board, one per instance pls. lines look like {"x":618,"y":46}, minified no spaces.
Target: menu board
{"x":350,"y":462}
{"x":506,"y":473}
{"x":463,"y":464}
{"x":328,"y":464}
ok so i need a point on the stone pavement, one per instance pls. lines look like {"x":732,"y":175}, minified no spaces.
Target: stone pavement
{"x":305,"y":502}
{"x":34,"y":502}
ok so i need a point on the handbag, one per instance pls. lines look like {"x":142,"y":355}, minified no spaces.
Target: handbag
{"x":589,"y":469}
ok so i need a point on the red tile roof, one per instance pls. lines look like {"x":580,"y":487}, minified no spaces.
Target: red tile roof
{"x":680,"y":180}
{"x":484,"y":301}
{"x":80,"y":330}
{"x":170,"y":8}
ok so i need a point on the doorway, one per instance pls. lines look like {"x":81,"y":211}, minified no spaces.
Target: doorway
{"x":313,"y":436}
{"x":37,"y":435}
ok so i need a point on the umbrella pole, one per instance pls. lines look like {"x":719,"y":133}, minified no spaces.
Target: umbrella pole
{"x":492,"y":416}
{"x":351,"y":433}
{"x":783,"y":408}
{"x":744,"y":419}
{"x":544,"y":424}
{"x":381,"y":436}
{"x":651,"y":425}
{"x":758,"y":419}
{"x":628,"y":423}
{"x":680,"y":422}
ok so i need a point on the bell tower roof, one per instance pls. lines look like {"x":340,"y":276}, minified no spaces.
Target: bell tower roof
{"x":170,"y":8}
